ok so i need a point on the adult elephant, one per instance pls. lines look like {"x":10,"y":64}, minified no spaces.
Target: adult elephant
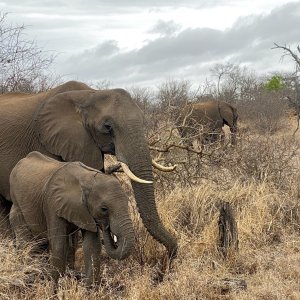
{"x":74,"y":122}
{"x":209,"y":116}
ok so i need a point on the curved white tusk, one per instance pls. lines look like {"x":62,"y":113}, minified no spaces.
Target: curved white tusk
{"x":131,"y":175}
{"x":163,"y":168}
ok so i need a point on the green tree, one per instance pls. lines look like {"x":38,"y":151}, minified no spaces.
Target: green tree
{"x":275,"y":83}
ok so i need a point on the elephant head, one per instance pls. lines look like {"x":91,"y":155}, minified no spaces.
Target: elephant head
{"x":83,"y":125}
{"x":89,"y":199}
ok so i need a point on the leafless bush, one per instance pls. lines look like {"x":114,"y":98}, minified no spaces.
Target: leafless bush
{"x":23,"y":64}
{"x":101,"y":84}
{"x":264,"y":158}
{"x":144,"y":97}
{"x":234,"y":83}
{"x":174,"y":93}
{"x":266,"y":113}
{"x":146,"y":100}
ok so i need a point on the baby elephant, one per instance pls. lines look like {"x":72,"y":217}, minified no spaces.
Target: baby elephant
{"x":51,"y":199}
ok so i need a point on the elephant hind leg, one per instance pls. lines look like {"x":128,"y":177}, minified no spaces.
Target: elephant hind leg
{"x":22,"y":233}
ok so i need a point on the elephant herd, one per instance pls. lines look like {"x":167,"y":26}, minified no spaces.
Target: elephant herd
{"x":52,"y":180}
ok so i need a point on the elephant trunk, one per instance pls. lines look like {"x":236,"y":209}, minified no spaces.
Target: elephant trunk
{"x":119,"y":238}
{"x":146,"y":205}
{"x":139,"y":162}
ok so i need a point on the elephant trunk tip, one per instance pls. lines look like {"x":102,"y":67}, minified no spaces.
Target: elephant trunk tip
{"x":173,"y":249}
{"x":118,"y":246}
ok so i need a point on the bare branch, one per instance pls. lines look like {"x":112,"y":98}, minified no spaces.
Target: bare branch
{"x":288,"y":51}
{"x":170,"y":146}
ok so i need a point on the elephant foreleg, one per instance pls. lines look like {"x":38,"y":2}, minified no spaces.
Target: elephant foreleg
{"x":91,"y":251}
{"x":59,"y":244}
{"x":73,"y":244}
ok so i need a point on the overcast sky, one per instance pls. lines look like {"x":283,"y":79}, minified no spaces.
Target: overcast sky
{"x":142,"y":43}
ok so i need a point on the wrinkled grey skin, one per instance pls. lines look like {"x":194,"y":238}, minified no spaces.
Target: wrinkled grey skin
{"x":209,"y":116}
{"x":51,"y":199}
{"x":76,"y":123}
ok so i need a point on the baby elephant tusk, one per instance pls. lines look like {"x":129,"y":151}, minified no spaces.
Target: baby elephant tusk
{"x":132,"y":176}
{"x":163,"y":168}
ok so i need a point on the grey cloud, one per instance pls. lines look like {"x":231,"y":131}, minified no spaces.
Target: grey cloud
{"x":165,"y":27}
{"x":95,"y":8}
{"x":107,"y":48}
{"x":192,"y":51}
{"x":93,"y":5}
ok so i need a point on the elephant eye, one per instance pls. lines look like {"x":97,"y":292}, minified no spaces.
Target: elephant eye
{"x":104,"y":210}
{"x":106,"y":128}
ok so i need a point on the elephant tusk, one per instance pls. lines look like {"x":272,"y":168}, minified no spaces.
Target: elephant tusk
{"x":163,"y":168}
{"x":132,"y":176}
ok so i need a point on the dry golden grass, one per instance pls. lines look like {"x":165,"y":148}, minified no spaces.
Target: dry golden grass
{"x":267,"y":210}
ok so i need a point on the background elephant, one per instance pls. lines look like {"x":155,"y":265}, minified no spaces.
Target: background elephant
{"x":73,"y":122}
{"x":51,"y":199}
{"x":208,"y":117}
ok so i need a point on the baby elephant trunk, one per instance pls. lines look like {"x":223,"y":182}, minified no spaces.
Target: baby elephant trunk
{"x":119,"y":238}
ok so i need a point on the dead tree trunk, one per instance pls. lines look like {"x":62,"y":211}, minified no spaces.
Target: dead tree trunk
{"x":228,"y":234}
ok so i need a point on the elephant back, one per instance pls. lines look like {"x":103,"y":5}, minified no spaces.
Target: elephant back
{"x":28,"y":187}
{"x":33,"y":171}
{"x":201,"y":112}
{"x":68,"y":86}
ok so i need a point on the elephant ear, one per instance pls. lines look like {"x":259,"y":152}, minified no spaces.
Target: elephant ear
{"x":228,"y":114}
{"x":60,"y":128}
{"x":69,"y":201}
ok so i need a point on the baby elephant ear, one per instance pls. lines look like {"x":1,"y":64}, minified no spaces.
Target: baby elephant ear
{"x":69,"y":203}
{"x":60,"y":128}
